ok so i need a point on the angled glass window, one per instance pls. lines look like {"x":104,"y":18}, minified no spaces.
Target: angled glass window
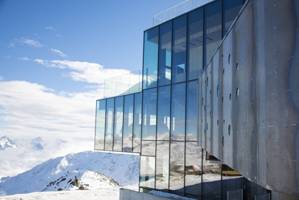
{"x":148,"y":148}
{"x":192,"y":111}
{"x":177,"y":155}
{"x":162,"y":165}
{"x":231,"y":10}
{"x":195,"y":60}
{"x":109,"y":124}
{"x":147,"y":171}
{"x":100,"y":124}
{"x":165,"y":53}
{"x":179,"y":49}
{"x":137,"y":123}
{"x":178,"y":112}
{"x":193,"y":169}
{"x":213,"y":29}
{"x":128,"y":124}
{"x":211,"y":177}
{"x":118,"y":124}
{"x":150,"y":58}
{"x":149,"y":114}
{"x":163,"y":129}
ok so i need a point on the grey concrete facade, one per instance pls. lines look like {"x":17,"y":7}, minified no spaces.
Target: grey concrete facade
{"x":250,"y":97}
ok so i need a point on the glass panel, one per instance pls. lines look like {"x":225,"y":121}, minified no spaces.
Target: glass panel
{"x":148,"y":148}
{"x":211,"y":177}
{"x":150,"y":59}
{"x":179,"y":49}
{"x":162,"y":165}
{"x":109,"y":124}
{"x":213,"y":33}
{"x":149,"y":114}
{"x":118,"y":124}
{"x":232,"y":183}
{"x":137,"y":122}
{"x":231,"y":10}
{"x":165,"y":53}
{"x":177,"y":167}
{"x":147,"y":171}
{"x":195,"y":44}
{"x":128,"y":124}
{"x":193,"y":169}
{"x":192,"y":111}
{"x":163,"y":113}
{"x":100,"y":124}
{"x":178,"y":112}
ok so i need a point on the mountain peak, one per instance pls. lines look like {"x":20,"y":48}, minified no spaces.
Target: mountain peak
{"x":6,"y":142}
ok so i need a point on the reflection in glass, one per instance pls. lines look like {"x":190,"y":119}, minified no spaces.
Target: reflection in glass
{"x":163,"y":113}
{"x":137,"y":122}
{"x":178,"y":112}
{"x":211,"y":177}
{"x":213,"y":22}
{"x":128,"y":123}
{"x":192,"y":111}
{"x":109,"y":124}
{"x":148,"y":148}
{"x":232,"y":183}
{"x":193,"y":169}
{"x":118,"y":124}
{"x":150,"y":59}
{"x":177,"y":166}
{"x":165,"y":53}
{"x":162,"y":165}
{"x":100,"y":124}
{"x":149,"y":114}
{"x":147,"y":171}
{"x":195,"y":43}
{"x":179,"y":49}
{"x":231,"y":10}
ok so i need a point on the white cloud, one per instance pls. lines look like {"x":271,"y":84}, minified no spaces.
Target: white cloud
{"x":112,"y":81}
{"x":57,"y":52}
{"x":27,"y":42}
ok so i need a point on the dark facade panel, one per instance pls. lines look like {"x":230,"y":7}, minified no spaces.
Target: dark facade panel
{"x":137,"y":122}
{"x":231,"y":10}
{"x":100,"y":124}
{"x":192,"y":133}
{"x":150,"y":58}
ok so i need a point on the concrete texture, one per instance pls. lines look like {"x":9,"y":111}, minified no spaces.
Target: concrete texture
{"x":250,"y":90}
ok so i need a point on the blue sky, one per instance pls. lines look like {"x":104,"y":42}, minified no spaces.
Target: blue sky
{"x":107,"y":32}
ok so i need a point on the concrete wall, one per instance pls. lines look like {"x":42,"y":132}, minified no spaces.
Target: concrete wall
{"x":250,"y":97}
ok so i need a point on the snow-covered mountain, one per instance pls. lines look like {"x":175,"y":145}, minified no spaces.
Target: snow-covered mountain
{"x":6,"y":142}
{"x":85,"y":170}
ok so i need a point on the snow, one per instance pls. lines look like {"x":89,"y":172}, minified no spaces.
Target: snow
{"x":6,"y":142}
{"x":84,"y":170}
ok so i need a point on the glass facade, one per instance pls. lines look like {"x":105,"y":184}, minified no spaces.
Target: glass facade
{"x":161,"y":122}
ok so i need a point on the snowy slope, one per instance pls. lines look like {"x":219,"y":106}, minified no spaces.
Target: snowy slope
{"x":85,"y":170}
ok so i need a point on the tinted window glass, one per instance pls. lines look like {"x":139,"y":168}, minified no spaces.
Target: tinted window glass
{"x":231,"y":10}
{"x":109,"y":124}
{"x":165,"y":53}
{"x":147,"y":171}
{"x":118,"y":124}
{"x":195,"y":44}
{"x":177,"y":155}
{"x":192,"y":111}
{"x":163,"y":113}
{"x":128,"y":123}
{"x":100,"y":124}
{"x":137,"y":122}
{"x":213,"y":33}
{"x":162,"y":165}
{"x":178,"y":112}
{"x":150,"y":59}
{"x":148,"y":148}
{"x":179,"y":49}
{"x":149,"y":114}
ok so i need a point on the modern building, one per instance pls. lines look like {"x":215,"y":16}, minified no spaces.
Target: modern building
{"x":218,"y":113}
